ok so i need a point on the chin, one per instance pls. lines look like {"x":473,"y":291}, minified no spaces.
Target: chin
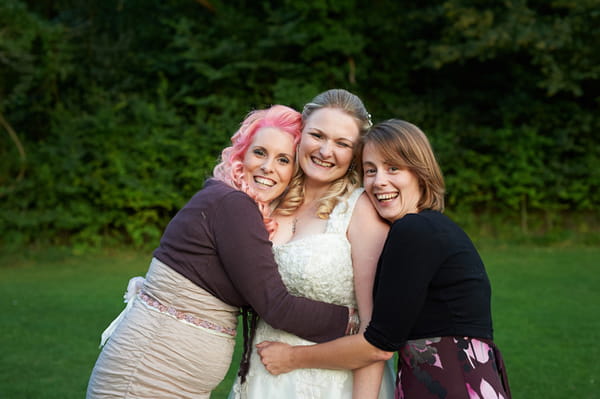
{"x":387,"y":214}
{"x":267,"y":197}
{"x":263,"y":197}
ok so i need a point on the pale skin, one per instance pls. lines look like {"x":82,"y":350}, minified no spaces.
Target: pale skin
{"x":394,"y":191}
{"x":325,"y":153}
{"x":365,"y":253}
{"x":269,"y":163}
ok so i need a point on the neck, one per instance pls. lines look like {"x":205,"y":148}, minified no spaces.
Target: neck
{"x":314,"y":192}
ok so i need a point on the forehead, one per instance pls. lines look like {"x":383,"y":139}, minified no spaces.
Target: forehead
{"x":334,"y":122}
{"x":372,"y":154}
{"x":272,"y":137}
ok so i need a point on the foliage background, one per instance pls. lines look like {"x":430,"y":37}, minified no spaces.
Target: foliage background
{"x":112,"y":113}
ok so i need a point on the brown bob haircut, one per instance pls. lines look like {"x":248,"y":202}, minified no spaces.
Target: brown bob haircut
{"x":403,"y":144}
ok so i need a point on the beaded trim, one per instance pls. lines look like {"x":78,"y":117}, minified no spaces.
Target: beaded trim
{"x":187,"y":318}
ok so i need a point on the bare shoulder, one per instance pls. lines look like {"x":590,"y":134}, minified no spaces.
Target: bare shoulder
{"x":366,"y":221}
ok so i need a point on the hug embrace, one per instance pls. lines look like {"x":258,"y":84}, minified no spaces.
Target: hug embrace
{"x":327,"y":234}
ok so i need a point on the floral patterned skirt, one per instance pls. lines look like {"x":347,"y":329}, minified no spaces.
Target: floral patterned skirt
{"x":451,"y":368}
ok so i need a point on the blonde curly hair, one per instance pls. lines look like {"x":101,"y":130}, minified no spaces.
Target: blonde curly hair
{"x":353,"y":106}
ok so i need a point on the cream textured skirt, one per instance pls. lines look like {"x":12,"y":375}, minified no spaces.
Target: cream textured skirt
{"x":175,"y":341}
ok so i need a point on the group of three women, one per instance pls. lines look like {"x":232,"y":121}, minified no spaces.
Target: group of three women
{"x":314,"y":262}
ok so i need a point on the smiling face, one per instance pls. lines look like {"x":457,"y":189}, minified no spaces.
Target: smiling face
{"x":327,"y":143}
{"x":269,"y":163}
{"x":393,"y":189}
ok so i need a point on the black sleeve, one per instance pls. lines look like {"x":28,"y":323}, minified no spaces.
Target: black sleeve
{"x":410,"y":259}
{"x":245,"y":250}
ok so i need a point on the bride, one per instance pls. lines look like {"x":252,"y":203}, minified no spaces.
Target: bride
{"x":327,"y":245}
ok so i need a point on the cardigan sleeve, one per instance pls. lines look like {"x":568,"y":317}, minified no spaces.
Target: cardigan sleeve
{"x":411,"y":256}
{"x":246,"y":253}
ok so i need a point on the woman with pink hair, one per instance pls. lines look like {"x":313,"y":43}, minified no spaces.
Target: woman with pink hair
{"x":176,"y":337}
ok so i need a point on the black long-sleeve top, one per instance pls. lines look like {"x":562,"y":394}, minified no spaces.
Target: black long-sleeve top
{"x":430,"y":282}
{"x":218,"y":241}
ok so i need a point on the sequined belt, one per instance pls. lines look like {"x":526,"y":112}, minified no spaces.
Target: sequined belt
{"x":187,"y":318}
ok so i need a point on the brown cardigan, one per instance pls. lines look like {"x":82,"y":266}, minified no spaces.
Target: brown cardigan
{"x":219,"y":242}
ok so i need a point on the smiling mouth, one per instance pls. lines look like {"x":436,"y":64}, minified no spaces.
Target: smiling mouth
{"x":322,"y":163}
{"x":386,"y":197}
{"x":264,"y":181}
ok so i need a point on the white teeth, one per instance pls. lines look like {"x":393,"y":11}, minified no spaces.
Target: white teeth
{"x":322,"y":163}
{"x":266,"y":182}
{"x":385,"y":197}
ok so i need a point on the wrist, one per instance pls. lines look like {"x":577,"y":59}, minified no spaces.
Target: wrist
{"x":353,"y":322}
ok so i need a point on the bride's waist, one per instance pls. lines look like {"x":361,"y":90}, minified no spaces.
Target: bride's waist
{"x":265,"y":332}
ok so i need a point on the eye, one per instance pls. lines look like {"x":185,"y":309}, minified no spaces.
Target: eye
{"x":344,"y":144}
{"x":283,"y":160}
{"x":259,"y":152}
{"x":369,"y":171}
{"x":315,"y":135}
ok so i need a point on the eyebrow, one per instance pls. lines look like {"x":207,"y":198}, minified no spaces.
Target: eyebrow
{"x":262,"y":147}
{"x":325,"y":133}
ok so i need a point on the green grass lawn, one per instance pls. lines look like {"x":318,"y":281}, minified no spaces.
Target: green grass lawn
{"x":546,"y":304}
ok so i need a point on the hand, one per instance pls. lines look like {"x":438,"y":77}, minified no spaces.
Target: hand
{"x":276,"y":356}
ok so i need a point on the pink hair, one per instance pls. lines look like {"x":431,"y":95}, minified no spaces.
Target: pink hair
{"x":231,"y":171}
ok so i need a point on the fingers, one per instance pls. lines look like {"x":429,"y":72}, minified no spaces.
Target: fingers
{"x":262,"y":345}
{"x":272,"y":369}
{"x":268,"y":361}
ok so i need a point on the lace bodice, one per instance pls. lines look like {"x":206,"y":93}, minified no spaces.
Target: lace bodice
{"x":319,"y":266}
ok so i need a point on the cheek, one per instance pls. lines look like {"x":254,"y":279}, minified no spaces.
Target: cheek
{"x":304,"y":147}
{"x":368,"y":186}
{"x":303,"y":154}
{"x":246,"y":163}
{"x":249,"y":164}
{"x":285,"y":174}
{"x":367,"y":183}
{"x":345,"y":156}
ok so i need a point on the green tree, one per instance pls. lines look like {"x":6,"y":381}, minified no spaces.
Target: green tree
{"x":114,"y":112}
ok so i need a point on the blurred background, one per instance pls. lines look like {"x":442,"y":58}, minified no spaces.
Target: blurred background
{"x":113,"y":112}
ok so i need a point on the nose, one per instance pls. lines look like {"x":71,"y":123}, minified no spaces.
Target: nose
{"x":326,"y":149}
{"x":267,"y":166}
{"x":379,"y":180}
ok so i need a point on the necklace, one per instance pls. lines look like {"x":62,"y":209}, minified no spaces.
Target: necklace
{"x":310,"y":207}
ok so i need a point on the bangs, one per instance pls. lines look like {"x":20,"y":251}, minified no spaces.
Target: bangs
{"x":391,"y":149}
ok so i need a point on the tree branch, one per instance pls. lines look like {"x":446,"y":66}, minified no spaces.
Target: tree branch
{"x":17,"y":142}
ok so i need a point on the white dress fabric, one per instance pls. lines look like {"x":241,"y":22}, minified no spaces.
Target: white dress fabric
{"x":318,"y":267}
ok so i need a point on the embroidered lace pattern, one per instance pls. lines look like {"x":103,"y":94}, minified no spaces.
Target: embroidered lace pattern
{"x":187,"y":318}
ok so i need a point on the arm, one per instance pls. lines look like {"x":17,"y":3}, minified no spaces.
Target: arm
{"x":366,"y":233}
{"x":350,"y":352}
{"x":408,"y":261}
{"x":246,"y":254}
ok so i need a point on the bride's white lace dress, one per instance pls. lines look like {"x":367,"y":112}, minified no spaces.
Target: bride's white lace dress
{"x":317,"y":267}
